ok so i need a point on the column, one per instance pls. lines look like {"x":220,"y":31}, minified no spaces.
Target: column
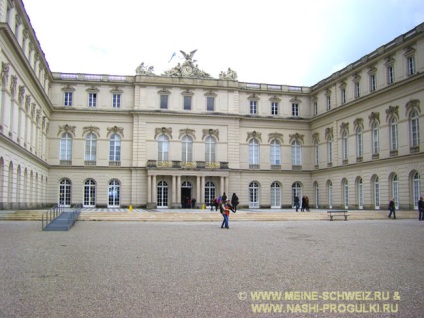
{"x":174,"y":189}
{"x":198,"y":187}
{"x":178,"y":185}
{"x":221,"y":186}
{"x":155,"y":189}
{"x":202,"y":189}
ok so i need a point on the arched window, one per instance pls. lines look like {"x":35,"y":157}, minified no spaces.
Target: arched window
{"x":330,"y":149}
{"x":359,"y":143}
{"x":344,"y":146}
{"x":275,"y":152}
{"x":66,"y":147}
{"x":162,"y":194}
{"x":377,"y":193}
{"x":210,"y":149}
{"x":360,"y":194}
{"x":187,"y":149}
{"x":316,"y":153}
{"x":416,"y":189}
{"x":90,"y":147}
{"x":395,"y":190}
{"x":375,"y":138}
{"x":393,"y":134}
{"x":253,"y":152}
{"x":90,"y":193}
{"x":296,"y":191}
{"x":65,"y":192}
{"x":115,"y":148}
{"x":316,"y":193}
{"x":345,"y":188}
{"x":275,"y":195}
{"x":296,"y":149}
{"x":210,"y":192}
{"x":415,"y":129}
{"x":114,"y":193}
{"x":253,"y":195}
{"x":163,"y":148}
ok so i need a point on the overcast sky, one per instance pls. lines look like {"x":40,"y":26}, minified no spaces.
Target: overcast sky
{"x":296,"y":42}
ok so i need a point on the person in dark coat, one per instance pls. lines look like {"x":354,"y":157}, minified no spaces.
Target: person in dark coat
{"x":392,"y":208}
{"x":296,"y":203}
{"x":421,"y":209}
{"x":302,"y":209}
{"x":234,"y":202}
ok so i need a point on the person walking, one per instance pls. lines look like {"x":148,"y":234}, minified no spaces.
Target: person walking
{"x":421,"y":209}
{"x":193,"y":203}
{"x":224,"y":198}
{"x":226,"y":214}
{"x":296,"y":203}
{"x":307,"y":204}
{"x":234,"y":202}
{"x":302,"y":209}
{"x":392,"y":208}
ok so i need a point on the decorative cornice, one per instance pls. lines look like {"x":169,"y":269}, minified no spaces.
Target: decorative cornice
{"x":277,"y":136}
{"x":163,"y":130}
{"x":68,"y":88}
{"x":115,"y":130}
{"x":255,"y":135}
{"x":210,"y":132}
{"x":187,"y":131}
{"x":164,"y":91}
{"x":92,"y":89}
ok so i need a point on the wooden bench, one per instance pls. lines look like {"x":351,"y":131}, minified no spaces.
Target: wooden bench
{"x":337,"y":213}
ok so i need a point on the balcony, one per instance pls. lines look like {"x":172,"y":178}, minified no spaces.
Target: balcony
{"x":187,"y":165}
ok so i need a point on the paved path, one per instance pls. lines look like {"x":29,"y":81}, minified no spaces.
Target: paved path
{"x":197,"y":269}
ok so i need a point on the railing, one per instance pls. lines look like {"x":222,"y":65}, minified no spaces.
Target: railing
{"x":50,"y":215}
{"x":73,"y":215}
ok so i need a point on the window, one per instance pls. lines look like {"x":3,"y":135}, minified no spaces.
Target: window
{"x":115,"y":148}
{"x":390,"y":74}
{"x":330,"y":195}
{"x":66,"y":147}
{"x":162,"y":194}
{"x":210,"y":149}
{"x":360,"y":194}
{"x":330,"y":149}
{"x":253,"y":107}
{"x":253,"y":152}
{"x":343,"y":95}
{"x":187,"y":102}
{"x":375,"y":139}
{"x":92,"y":99}
{"x":344,"y":146}
{"x":315,"y":108}
{"x":275,"y":195}
{"x":328,"y":102}
{"x":163,"y":101}
{"x":377,"y":193}
{"x":296,"y":150}
{"x":316,"y":153}
{"x":345,"y":187}
{"x":275,"y":152}
{"x":295,"y":109}
{"x":415,"y":129}
{"x":68,"y":98}
{"x":357,"y":90}
{"x":296,"y":191}
{"x":395,"y":190}
{"x":65,"y":192}
{"x":274,"y":108}
{"x":114,"y":193}
{"x":416,"y":189}
{"x":253,"y":195}
{"x":163,"y":148}
{"x":316,"y":192}
{"x":411,"y":64}
{"x":187,"y":149}
{"x":90,"y":193}
{"x":393,"y":134}
{"x":359,"y":143}
{"x":373,"y":83}
{"x":210,"y":103}
{"x":90,"y":147}
{"x":116,"y":100}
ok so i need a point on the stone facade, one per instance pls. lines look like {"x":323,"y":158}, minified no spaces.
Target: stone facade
{"x":354,"y":140}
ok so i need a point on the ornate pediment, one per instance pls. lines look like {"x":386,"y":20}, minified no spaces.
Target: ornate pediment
{"x":187,"y":69}
{"x":277,"y":136}
{"x":91,"y":129}
{"x":254,"y":134}
{"x":163,"y":130}
{"x":375,"y":116}
{"x":392,"y":111}
{"x":67,"y":128}
{"x":210,"y":132}
{"x":187,"y":131}
{"x":115,"y":130}
{"x":296,"y":137}
{"x":328,"y":132}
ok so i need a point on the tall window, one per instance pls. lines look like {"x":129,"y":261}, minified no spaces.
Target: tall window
{"x":275,"y":152}
{"x":164,"y":101}
{"x":377,"y":193}
{"x":253,"y":152}
{"x":357,"y":88}
{"x":65,"y":192}
{"x":187,"y":102}
{"x":275,"y":195}
{"x":416,"y":189}
{"x":187,"y":149}
{"x":210,"y":192}
{"x":328,"y":102}
{"x":253,"y":195}
{"x":345,"y":187}
{"x":274,"y":108}
{"x":253,"y":107}
{"x":163,"y":148}
{"x":90,"y":147}
{"x":393,"y":134}
{"x":316,"y":153}
{"x":343,"y":95}
{"x":296,"y":150}
{"x":68,"y":98}
{"x":411,"y":64}
{"x":114,"y":193}
{"x":66,"y":147}
{"x":330,"y":195}
{"x":115,"y":148}
{"x":375,"y":138}
{"x":296,"y":191}
{"x":373,"y":83}
{"x":415,"y":129}
{"x":210,"y":103}
{"x":316,"y":192}
{"x":92,"y":99}
{"x":344,"y":146}
{"x":210,"y":149}
{"x":295,"y":110}
{"x":162,"y":194}
{"x":359,"y":143}
{"x":90,"y":193}
{"x":360,"y":194}
{"x":315,"y":108}
{"x":395,"y":190}
{"x":116,"y":100}
{"x":330,"y":149}
{"x":390,"y":74}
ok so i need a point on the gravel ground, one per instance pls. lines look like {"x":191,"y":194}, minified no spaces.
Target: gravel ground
{"x":184,"y":269}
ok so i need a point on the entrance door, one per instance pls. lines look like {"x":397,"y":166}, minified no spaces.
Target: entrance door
{"x":162,"y":196}
{"x":275,"y":195}
{"x":253,"y":195}
{"x":186,"y":195}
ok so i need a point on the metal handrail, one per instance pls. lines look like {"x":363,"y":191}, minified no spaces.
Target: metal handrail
{"x":50,"y":215}
{"x":73,"y":215}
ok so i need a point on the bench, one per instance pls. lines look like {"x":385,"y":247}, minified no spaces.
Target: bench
{"x":337,"y":213}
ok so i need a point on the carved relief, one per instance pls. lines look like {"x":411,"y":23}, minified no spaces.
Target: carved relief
{"x":115,"y":130}
{"x":67,"y":128}
{"x":163,"y":130}
{"x":187,"y":131}
{"x":375,"y":116}
{"x":277,"y":136}
{"x":21,"y":93}
{"x":254,"y":134}
{"x":315,"y":137}
{"x":5,"y":67}
{"x":344,"y":127}
{"x":413,"y":104}
{"x":328,"y":132}
{"x":210,"y":132}
{"x":13,"y":83}
{"x":91,"y":129}
{"x":392,"y":111}
{"x":358,"y":123}
{"x":27,"y":103}
{"x":297,"y":137}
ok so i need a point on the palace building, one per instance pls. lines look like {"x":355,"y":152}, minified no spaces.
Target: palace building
{"x":353,"y":140}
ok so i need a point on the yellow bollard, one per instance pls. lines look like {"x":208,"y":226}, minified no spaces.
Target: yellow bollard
{"x":130,"y":208}
{"x":203,"y":207}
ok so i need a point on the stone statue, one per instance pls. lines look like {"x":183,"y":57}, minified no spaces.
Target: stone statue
{"x":144,"y":69}
{"x":189,"y":56}
{"x":229,"y":75}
